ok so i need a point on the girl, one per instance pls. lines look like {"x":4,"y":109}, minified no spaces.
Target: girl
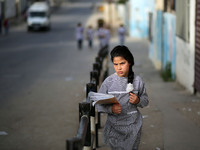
{"x":121,"y":34}
{"x":101,"y":34}
{"x":90,"y":33}
{"x":122,"y":130}
{"x":79,"y":35}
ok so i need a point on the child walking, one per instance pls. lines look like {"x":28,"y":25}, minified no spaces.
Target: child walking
{"x":101,"y":34}
{"x":122,"y":130}
{"x":121,"y":34}
{"x":90,"y":34}
{"x":79,"y":35}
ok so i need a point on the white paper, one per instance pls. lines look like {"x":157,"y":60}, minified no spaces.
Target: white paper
{"x":100,"y":98}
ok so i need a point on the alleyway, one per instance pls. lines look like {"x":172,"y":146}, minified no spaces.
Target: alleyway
{"x":171,"y":121}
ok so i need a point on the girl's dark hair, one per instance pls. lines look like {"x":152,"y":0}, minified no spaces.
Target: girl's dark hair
{"x":124,"y":52}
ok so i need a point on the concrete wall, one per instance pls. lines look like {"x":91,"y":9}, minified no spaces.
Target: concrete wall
{"x":139,"y":17}
{"x":169,"y":42}
{"x":155,"y":50}
{"x":167,"y":47}
{"x":123,"y":10}
{"x":10,"y":9}
{"x":112,"y":16}
{"x":186,"y":54}
{"x":23,"y":5}
{"x":159,"y":4}
{"x":162,"y":48}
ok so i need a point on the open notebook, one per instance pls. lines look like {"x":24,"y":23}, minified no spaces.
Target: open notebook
{"x":100,"y":98}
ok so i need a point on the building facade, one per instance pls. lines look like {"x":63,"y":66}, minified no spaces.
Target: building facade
{"x":175,"y":41}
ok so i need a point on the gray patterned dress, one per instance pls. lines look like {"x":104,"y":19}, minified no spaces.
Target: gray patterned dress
{"x":122,"y":131}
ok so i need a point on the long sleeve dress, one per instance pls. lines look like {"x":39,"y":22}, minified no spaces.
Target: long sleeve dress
{"x":121,"y":34}
{"x":122,"y":131}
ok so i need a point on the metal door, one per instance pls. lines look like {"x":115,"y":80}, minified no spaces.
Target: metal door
{"x":197,"y":48}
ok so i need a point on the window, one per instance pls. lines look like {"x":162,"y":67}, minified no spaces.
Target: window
{"x":169,"y":5}
{"x":37,"y":14}
{"x":182,"y":19}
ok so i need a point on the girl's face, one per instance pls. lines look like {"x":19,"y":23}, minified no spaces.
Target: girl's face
{"x":121,"y":66}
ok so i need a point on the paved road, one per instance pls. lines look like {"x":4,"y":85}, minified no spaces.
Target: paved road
{"x":42,"y":80}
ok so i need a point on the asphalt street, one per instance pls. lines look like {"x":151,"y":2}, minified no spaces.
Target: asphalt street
{"x":42,"y":80}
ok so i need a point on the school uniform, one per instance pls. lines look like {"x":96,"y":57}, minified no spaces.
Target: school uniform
{"x":101,"y":33}
{"x":122,"y":131}
{"x":90,"y":33}
{"x":107,"y":37}
{"x":79,"y":36}
{"x":121,"y":34}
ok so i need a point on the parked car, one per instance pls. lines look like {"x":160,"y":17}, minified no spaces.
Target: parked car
{"x":38,"y":16}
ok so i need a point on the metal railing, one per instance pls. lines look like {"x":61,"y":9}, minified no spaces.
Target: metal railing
{"x":87,"y":135}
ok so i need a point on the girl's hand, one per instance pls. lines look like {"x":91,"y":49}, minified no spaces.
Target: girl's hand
{"x":133,"y":99}
{"x":116,"y":108}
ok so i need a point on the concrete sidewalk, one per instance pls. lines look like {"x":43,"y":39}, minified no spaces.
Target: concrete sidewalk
{"x":152,"y":134}
{"x":171,"y":121}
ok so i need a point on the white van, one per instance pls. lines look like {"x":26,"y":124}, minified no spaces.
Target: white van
{"x":38,"y":16}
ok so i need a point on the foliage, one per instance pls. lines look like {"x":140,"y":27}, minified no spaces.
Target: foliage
{"x":121,"y":1}
{"x":166,"y":73}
